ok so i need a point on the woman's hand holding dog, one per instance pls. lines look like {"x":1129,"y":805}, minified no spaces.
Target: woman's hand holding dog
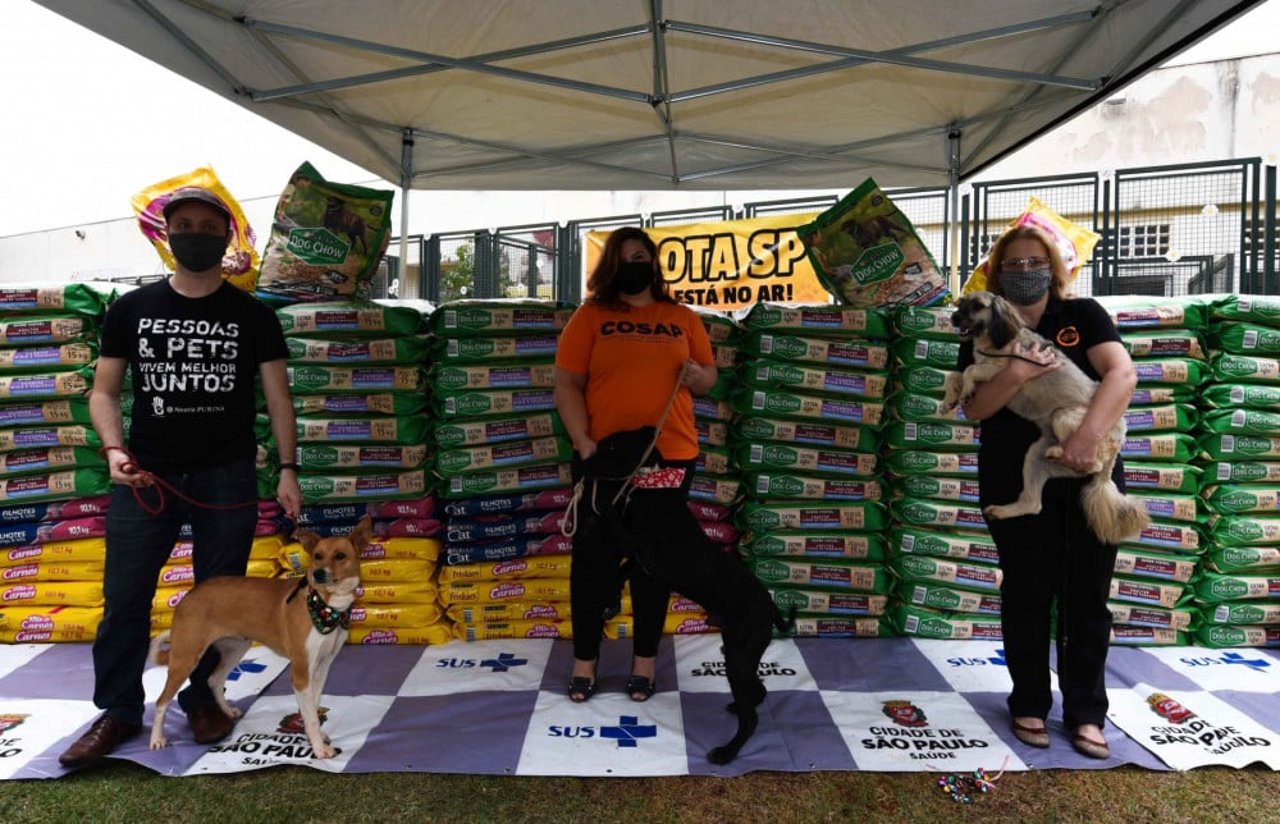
{"x":1028,"y":362}
{"x":1080,"y":451}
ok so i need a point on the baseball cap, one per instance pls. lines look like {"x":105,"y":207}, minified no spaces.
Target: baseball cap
{"x":188,"y":194}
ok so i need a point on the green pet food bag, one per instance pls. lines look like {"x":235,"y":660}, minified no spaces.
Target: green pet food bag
{"x":849,"y":353}
{"x":925,"y":322}
{"x":1228,"y":368}
{"x":346,"y":319}
{"x":858,"y":438}
{"x":970,"y":548}
{"x":466,"y":318}
{"x":907,"y":462}
{"x":867,"y":516}
{"x":775,"y":374}
{"x":866,"y":253}
{"x":326,"y":238}
{"x":838,"y":321}
{"x":853,"y":546}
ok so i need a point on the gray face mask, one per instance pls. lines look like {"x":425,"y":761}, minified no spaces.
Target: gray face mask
{"x":1025,"y":288}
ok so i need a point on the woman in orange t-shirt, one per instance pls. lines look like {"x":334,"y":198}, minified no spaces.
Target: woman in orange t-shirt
{"x":619,"y":359}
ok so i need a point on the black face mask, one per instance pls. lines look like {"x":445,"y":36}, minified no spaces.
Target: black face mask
{"x":198,"y":252}
{"x":634,"y":276}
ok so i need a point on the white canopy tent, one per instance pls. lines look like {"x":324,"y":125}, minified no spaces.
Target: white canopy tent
{"x":660,"y":94}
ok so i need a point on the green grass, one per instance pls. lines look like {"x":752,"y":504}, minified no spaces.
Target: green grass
{"x":126,"y":792}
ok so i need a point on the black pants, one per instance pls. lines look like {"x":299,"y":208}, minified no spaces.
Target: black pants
{"x":593,"y":575}
{"x":1054,"y":555}
{"x":138,"y":544}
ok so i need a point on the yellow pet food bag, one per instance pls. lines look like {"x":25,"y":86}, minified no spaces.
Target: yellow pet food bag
{"x":240,"y":264}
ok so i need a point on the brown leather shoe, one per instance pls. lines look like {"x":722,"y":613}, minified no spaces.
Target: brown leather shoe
{"x":209,"y":723}
{"x":100,"y":740}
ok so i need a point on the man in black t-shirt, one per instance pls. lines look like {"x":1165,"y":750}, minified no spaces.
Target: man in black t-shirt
{"x":193,"y":345}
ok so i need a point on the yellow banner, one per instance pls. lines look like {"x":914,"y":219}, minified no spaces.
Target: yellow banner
{"x":733,"y":263}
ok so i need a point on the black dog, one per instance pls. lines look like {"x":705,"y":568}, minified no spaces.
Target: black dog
{"x":681,"y":556}
{"x":341,"y":221}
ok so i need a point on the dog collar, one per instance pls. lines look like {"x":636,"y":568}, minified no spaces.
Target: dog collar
{"x":325,"y":618}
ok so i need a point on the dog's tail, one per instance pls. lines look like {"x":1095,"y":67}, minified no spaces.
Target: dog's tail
{"x":159,"y":652}
{"x":1113,"y":516}
{"x":784,"y":625}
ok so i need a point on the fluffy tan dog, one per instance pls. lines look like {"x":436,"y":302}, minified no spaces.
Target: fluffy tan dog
{"x":1056,"y":401}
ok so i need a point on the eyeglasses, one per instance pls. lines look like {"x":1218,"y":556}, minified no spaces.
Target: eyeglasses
{"x":1027,"y":262}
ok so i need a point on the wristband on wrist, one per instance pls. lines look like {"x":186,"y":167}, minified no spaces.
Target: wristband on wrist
{"x":290,"y":465}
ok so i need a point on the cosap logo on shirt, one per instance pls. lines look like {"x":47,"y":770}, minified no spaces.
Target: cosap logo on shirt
{"x":626,"y":327}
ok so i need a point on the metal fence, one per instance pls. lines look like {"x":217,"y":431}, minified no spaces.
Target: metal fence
{"x":1165,"y":230}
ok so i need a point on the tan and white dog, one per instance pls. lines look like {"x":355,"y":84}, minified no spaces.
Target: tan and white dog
{"x":1056,"y":401}
{"x":307,"y":627}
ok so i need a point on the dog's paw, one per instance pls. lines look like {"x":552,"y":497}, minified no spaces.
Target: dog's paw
{"x":326,"y":751}
{"x":1053,"y":453}
{"x":234,"y":712}
{"x":995,"y":512}
{"x":721,"y":755}
{"x":158,"y":742}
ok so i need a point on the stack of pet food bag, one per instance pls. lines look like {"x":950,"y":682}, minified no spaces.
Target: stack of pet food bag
{"x":358,"y":373}
{"x":503,"y":467}
{"x":1151,"y":587}
{"x":941,"y":552}
{"x":1238,"y":591}
{"x":359,"y":380}
{"x":808,"y":438}
{"x":53,"y":484}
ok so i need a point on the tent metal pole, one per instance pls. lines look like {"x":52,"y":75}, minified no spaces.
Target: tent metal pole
{"x":409,"y":288}
{"x":953,"y":162}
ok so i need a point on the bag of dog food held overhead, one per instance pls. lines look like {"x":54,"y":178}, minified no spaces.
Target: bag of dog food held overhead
{"x":867,"y":253}
{"x":239,"y":264}
{"x":1075,"y":243}
{"x":326,"y":239}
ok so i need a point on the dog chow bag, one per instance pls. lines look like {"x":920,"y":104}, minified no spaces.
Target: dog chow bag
{"x":867,"y":253}
{"x":326,"y":239}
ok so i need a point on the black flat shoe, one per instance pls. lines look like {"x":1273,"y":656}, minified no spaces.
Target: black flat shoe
{"x":581,"y":689}
{"x":640,"y":688}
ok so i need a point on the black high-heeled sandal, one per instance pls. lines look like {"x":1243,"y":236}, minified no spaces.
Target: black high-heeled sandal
{"x":581,"y":689}
{"x":642,"y":686}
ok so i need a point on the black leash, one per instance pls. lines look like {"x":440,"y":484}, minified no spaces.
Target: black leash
{"x":1010,"y":355}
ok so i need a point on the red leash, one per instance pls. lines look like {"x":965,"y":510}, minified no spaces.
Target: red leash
{"x":131,"y":467}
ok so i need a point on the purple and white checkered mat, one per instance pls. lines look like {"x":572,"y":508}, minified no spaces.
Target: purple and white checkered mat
{"x":500,"y":708}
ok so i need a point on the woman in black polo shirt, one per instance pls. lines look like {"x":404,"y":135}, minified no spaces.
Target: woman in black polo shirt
{"x":1053,"y":555}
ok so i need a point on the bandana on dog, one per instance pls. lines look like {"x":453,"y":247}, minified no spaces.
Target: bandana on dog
{"x":325,"y":618}
{"x":670,"y":478}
